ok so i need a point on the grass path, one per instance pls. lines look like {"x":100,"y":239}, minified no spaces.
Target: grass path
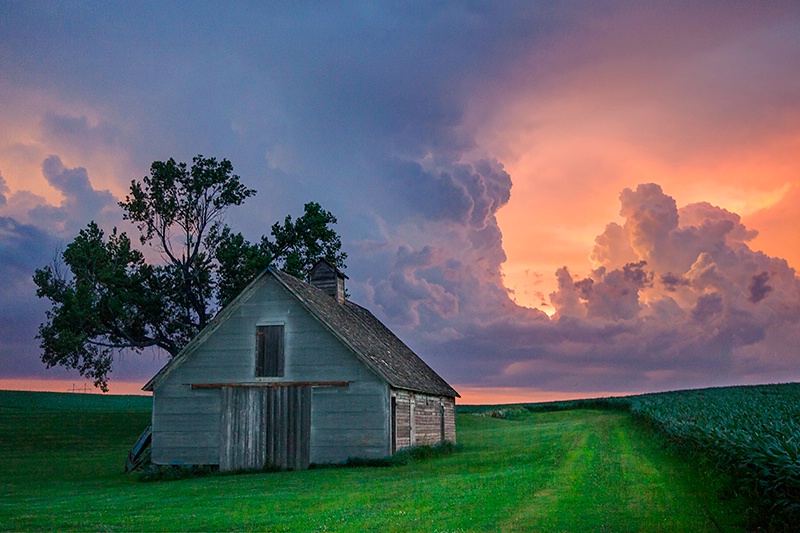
{"x":615,"y":479}
{"x":566,"y":471}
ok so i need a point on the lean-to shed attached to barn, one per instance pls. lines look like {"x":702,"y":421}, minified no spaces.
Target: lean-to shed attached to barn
{"x":292,"y":373}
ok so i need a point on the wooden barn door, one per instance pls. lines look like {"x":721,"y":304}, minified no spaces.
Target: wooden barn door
{"x":265,"y":426}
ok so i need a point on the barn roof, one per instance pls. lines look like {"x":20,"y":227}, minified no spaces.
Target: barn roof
{"x":371,"y":341}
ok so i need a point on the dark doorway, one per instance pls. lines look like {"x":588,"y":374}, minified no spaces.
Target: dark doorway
{"x":442,"y":433}
{"x":393,"y":426}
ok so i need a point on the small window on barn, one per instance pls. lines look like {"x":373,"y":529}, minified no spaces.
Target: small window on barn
{"x":269,"y":351}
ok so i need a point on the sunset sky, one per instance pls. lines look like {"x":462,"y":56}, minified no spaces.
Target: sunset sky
{"x":543,"y":199}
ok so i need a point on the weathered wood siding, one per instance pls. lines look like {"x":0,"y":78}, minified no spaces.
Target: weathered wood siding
{"x":345,"y":421}
{"x":449,"y":405}
{"x":352,"y":422}
{"x":402,"y":420}
{"x":423,"y":419}
{"x":324,"y":277}
{"x":265,"y":426}
{"x":185,"y":425}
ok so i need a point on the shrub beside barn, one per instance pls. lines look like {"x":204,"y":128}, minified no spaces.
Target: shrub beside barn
{"x":292,"y":373}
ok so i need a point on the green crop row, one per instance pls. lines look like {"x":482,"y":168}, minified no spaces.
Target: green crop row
{"x":751,"y":432}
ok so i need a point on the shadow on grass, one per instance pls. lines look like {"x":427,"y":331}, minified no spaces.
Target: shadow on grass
{"x":152,"y":472}
{"x":401,"y":457}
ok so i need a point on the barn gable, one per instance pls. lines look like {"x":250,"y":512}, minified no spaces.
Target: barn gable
{"x":379,"y":348}
{"x":342,"y":379}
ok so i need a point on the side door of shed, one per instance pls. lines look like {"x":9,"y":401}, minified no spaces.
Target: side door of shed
{"x":265,"y":426}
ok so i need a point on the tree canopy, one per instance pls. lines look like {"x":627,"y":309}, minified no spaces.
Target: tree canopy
{"x":105,"y":297}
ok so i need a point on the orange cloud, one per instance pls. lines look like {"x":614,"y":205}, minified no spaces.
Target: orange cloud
{"x":711,"y":117}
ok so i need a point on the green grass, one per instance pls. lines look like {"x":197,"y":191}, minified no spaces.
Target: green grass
{"x":749,"y":434}
{"x":582,"y":470}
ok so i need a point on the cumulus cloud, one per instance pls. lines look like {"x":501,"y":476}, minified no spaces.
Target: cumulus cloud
{"x":697,"y":291}
{"x":678,"y":300}
{"x":406,"y":296}
{"x":567,"y":300}
{"x":615,"y":295}
{"x":444,"y":274}
{"x":80,"y":202}
{"x":758,"y":287}
{"x":462,"y":193}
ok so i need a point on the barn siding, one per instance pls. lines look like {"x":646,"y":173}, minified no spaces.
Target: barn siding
{"x":265,"y":426}
{"x":342,"y":420}
{"x":351,"y":422}
{"x":420,"y":419}
{"x":183,"y":419}
{"x":449,"y":419}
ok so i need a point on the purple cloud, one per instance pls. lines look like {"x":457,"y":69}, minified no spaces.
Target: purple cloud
{"x":680,"y":300}
{"x":759,"y":288}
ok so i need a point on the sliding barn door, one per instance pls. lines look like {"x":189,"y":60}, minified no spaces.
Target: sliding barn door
{"x":265,"y":426}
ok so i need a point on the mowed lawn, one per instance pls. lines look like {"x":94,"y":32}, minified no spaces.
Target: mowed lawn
{"x":61,"y":468}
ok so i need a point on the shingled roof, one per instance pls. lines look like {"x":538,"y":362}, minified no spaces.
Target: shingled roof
{"x":374,"y":343}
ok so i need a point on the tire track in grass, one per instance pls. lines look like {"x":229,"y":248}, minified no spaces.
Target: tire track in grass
{"x":534,"y":512}
{"x":614,"y":478}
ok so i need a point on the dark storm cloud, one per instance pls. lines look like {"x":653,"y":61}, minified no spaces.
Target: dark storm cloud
{"x":463,"y":193}
{"x":23,"y":248}
{"x":324,"y":96}
{"x":759,"y":288}
{"x":671,"y":282}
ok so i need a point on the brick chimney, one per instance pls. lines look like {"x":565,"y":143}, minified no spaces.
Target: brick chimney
{"x":329,"y":279}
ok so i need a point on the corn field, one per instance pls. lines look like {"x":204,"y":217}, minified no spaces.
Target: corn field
{"x":752,"y":432}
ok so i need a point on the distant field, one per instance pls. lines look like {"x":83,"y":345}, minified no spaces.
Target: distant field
{"x":51,"y":401}
{"x":579,"y":470}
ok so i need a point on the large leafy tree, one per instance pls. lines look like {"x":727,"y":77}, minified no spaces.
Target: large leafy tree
{"x":106,"y":297}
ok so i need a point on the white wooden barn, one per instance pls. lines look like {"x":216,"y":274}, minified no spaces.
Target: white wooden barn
{"x":292,"y":373}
